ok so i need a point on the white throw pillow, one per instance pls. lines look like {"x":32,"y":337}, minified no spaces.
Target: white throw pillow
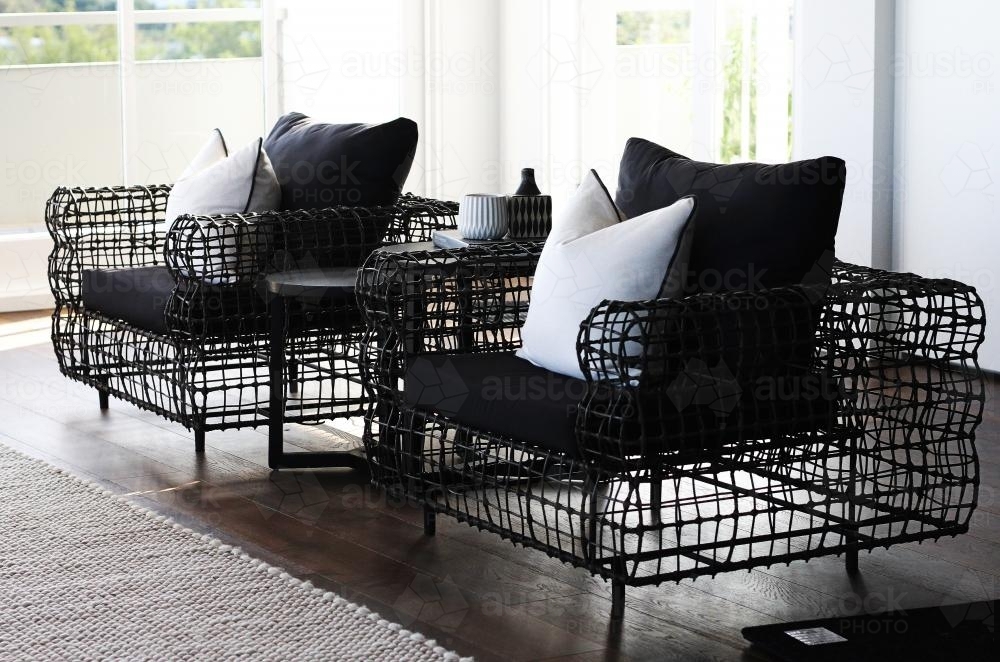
{"x":211,"y":152}
{"x":239,"y":184}
{"x":592,"y":255}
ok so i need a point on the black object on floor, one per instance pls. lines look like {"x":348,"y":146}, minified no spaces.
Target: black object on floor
{"x":963,"y":632}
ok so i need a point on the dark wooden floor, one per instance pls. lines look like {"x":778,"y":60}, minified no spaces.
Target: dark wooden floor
{"x":471,"y":591}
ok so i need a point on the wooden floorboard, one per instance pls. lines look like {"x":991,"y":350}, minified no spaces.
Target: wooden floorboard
{"x":470,"y":590}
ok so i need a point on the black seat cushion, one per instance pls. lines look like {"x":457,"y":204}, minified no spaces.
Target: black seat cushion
{"x":758,"y":226}
{"x":330,"y":165}
{"x":145,"y":298}
{"x":510,"y":397}
{"x":499,"y":393}
{"x":138,"y":296}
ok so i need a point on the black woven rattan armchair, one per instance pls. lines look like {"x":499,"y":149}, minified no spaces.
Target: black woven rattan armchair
{"x":172,"y":316}
{"x":752,"y":428}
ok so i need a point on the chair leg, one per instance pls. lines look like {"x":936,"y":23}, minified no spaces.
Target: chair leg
{"x":617,"y":600}
{"x":199,"y":441}
{"x":102,"y":394}
{"x":430,"y":520}
{"x":851,"y":536}
{"x":852,"y":561}
{"x":412,"y":455}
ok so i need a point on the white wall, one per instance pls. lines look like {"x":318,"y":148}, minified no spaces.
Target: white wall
{"x":947,"y":218}
{"x":462,"y":111}
{"x":842,"y":105}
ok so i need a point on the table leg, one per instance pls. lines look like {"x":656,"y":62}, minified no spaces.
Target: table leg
{"x":276,"y":367}
{"x":277,"y":458}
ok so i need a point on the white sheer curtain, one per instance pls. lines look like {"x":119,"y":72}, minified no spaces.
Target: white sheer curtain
{"x":434,"y":61}
{"x":709,"y":78}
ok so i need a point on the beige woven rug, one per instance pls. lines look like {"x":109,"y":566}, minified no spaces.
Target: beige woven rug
{"x":86,"y":575}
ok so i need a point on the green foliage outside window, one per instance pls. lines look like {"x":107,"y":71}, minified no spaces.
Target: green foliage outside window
{"x":99,"y":43}
{"x":730,"y":147}
{"x":732,"y":100}
{"x":25,"y":6}
{"x":46,"y":44}
{"x":645,"y":28}
{"x":196,"y":41}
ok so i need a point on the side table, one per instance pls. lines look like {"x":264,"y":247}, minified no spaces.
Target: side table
{"x":297,"y":288}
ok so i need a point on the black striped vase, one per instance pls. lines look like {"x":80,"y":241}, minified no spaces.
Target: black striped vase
{"x":529,"y":216}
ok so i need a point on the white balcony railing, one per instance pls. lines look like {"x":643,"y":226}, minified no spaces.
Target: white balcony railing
{"x":127,"y":121}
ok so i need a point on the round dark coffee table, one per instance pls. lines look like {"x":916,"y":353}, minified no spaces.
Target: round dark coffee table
{"x":313,"y":283}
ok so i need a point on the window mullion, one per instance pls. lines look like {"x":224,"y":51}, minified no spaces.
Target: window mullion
{"x":746,"y":79}
{"x":271,"y":60}
{"x":127,"y":82}
{"x":705,"y":87}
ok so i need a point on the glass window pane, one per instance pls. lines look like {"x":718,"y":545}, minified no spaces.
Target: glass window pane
{"x":61,"y":127}
{"x":739,"y":89}
{"x":61,"y":82}
{"x":654,"y":62}
{"x":756,"y":51}
{"x":640,"y":28}
{"x":191,"y":78}
{"x":197,"y":41}
{"x":53,"y":44}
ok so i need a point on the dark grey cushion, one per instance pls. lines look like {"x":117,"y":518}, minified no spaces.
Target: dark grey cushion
{"x":330,"y":165}
{"x":138,"y":296}
{"x":758,"y":226}
{"x":499,"y":393}
{"x":512,"y":398}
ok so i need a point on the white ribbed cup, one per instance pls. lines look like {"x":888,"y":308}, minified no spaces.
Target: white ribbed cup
{"x":483,"y":216}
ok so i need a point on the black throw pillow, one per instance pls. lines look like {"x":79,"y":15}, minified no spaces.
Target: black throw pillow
{"x":329,"y":165}
{"x":758,"y":226}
